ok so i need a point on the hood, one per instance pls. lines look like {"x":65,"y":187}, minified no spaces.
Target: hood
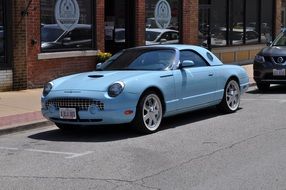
{"x":273,"y":51}
{"x":97,"y":80}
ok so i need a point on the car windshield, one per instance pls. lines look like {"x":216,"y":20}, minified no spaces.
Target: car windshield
{"x":50,"y":34}
{"x":151,"y":35}
{"x":159,"y":59}
{"x":280,"y":40}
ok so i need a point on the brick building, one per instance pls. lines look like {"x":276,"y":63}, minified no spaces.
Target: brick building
{"x":44,"y":39}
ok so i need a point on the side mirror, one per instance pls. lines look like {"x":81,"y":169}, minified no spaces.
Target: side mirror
{"x":66,"y":40}
{"x":187,"y":63}
{"x":98,"y":66}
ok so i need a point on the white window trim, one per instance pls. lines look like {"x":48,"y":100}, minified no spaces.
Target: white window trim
{"x":68,"y":54}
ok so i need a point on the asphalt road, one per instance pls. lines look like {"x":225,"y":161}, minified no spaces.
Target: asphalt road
{"x":201,"y":150}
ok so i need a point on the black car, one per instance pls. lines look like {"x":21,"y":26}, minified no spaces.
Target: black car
{"x":270,"y":64}
{"x":53,"y":37}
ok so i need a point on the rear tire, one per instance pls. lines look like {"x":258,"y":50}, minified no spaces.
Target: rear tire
{"x":263,"y":86}
{"x":149,"y":113}
{"x":231,"y":98}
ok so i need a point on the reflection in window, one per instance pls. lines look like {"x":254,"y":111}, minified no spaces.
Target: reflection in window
{"x":266,"y":20}
{"x":162,"y":22}
{"x":235,"y":22}
{"x":66,"y":28}
{"x":252,"y":27}
{"x":236,"y":29}
{"x":218,"y":23}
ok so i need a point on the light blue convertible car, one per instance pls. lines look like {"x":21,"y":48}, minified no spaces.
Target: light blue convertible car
{"x":142,"y":85}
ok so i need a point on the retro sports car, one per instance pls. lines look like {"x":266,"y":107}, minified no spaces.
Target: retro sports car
{"x":142,"y":85}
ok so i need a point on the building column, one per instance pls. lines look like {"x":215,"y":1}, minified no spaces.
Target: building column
{"x":140,"y":23}
{"x":277,"y":15}
{"x":100,"y":25}
{"x":189,"y":28}
{"x":19,"y":59}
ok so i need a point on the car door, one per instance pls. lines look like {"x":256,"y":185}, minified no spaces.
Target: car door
{"x":195,"y":85}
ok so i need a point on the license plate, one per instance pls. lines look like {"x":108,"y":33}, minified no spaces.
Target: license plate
{"x":280,"y":72}
{"x":67,"y":113}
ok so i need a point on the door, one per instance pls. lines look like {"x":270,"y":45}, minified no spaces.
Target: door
{"x":119,"y":25}
{"x":196,"y":85}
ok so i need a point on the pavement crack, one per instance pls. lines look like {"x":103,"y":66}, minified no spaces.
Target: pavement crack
{"x":206,"y":155}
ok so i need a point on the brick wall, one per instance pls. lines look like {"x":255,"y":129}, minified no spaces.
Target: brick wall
{"x":278,"y":16}
{"x":29,"y":71}
{"x":19,"y":61}
{"x":189,"y":33}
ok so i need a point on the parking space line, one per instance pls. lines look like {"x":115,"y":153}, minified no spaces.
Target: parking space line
{"x":7,"y":148}
{"x":70,"y":155}
{"x":262,"y":99}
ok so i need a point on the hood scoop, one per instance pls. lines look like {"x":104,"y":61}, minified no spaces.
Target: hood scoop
{"x":95,"y":76}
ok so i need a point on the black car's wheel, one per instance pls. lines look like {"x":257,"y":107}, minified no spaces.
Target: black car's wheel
{"x":263,"y":86}
{"x":149,"y":113}
{"x":231,"y":98}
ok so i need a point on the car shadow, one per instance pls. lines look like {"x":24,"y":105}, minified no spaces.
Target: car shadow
{"x":274,"y":89}
{"x":120,"y":132}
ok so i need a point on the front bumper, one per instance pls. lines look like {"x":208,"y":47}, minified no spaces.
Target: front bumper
{"x":264,"y":73}
{"x":118,"y":110}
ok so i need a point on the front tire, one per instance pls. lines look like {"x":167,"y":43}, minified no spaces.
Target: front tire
{"x":149,"y":113}
{"x":231,"y":98}
{"x":263,"y":86}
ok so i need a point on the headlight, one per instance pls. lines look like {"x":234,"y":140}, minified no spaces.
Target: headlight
{"x":47,"y":88}
{"x":259,"y":59}
{"x":115,"y":89}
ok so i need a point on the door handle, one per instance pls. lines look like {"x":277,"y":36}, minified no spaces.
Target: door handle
{"x":211,"y":74}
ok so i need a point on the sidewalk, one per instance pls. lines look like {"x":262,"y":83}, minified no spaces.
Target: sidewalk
{"x":20,"y":110}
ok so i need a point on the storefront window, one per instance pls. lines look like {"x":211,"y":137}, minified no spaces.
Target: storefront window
{"x":218,"y":23}
{"x":66,"y":25}
{"x":252,"y":27}
{"x":266,"y":20}
{"x":162,"y":22}
{"x":235,"y":22}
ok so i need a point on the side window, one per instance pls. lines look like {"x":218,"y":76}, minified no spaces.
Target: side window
{"x":193,"y":56}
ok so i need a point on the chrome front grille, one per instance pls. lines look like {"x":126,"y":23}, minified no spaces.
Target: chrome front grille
{"x":81,"y":104}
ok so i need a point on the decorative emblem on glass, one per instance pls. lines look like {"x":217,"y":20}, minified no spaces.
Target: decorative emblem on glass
{"x":67,"y":14}
{"x":163,"y":14}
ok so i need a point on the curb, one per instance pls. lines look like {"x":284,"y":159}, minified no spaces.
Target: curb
{"x":23,"y":127}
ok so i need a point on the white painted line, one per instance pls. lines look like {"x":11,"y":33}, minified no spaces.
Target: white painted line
{"x":69,"y":154}
{"x":78,"y":155}
{"x":269,"y":99}
{"x":7,"y":148}
{"x":72,"y":155}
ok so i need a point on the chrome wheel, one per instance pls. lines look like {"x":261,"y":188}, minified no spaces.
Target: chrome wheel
{"x":152,"y":112}
{"x":232,"y":95}
{"x":149,"y":113}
